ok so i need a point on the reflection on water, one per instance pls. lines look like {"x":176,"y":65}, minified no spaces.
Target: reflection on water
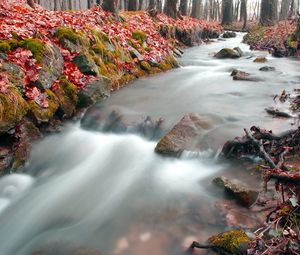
{"x":112,"y":193}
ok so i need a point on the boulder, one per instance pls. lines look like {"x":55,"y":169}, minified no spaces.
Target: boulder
{"x":93,"y":92}
{"x":135,"y":54}
{"x":184,"y":136}
{"x":229,"y":34}
{"x":12,"y":109}
{"x":70,"y":46}
{"x":232,"y":242}
{"x":243,"y":194}
{"x":267,"y":68}
{"x":85,"y":65}
{"x":228,"y":53}
{"x":260,"y":60}
{"x":52,"y":66}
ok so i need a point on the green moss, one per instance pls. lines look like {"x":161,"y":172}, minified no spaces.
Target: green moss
{"x":165,"y":66}
{"x":68,"y":34}
{"x":145,"y":66}
{"x":12,"y":108}
{"x":139,"y":36}
{"x":36,"y":46}
{"x":99,"y":48}
{"x":100,"y":36}
{"x":230,"y":241}
{"x":4,"y":46}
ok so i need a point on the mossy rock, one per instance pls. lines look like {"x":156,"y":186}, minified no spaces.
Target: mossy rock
{"x":145,"y":66}
{"x":68,"y":34}
{"x":12,"y":109}
{"x":139,"y":36}
{"x":227,"y":53}
{"x":4,"y":46}
{"x":52,"y":65}
{"x":67,"y":97}
{"x":234,"y":242}
{"x":86,"y":65}
{"x":260,"y":60}
{"x":165,"y":66}
{"x":36,"y":46}
{"x":43,"y":115}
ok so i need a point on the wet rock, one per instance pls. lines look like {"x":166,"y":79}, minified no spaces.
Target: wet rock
{"x":233,"y":241}
{"x":267,"y":68}
{"x":229,"y":34}
{"x":93,"y":92}
{"x":184,"y":136}
{"x":242,"y":76}
{"x":26,"y":133}
{"x":6,"y":158}
{"x":72,"y":47}
{"x":260,"y":60}
{"x":277,"y":113}
{"x":228,"y":53}
{"x":238,"y":49}
{"x":85,"y":65}
{"x":52,"y":66}
{"x":12,"y":109}
{"x":243,"y":194}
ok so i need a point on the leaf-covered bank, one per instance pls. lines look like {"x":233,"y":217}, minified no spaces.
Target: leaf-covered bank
{"x":52,"y":63}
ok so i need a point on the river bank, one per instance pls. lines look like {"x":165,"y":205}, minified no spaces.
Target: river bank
{"x":56,"y":63}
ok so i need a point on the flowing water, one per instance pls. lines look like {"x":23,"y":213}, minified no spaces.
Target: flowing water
{"x":112,"y":193}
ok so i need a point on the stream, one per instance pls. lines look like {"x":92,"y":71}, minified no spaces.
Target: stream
{"x":111,"y":193}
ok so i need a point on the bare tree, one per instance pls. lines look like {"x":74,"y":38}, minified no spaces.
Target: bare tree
{"x":284,"y":9}
{"x":268,"y":12}
{"x":183,"y":7}
{"x":196,"y":9}
{"x":243,"y":13}
{"x":227,"y":6}
{"x":31,"y":3}
{"x":110,"y":5}
{"x":170,"y":8}
{"x":132,"y":5}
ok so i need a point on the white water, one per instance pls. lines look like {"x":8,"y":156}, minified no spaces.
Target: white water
{"x":112,"y":192}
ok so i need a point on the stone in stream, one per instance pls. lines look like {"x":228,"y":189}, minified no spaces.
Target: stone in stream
{"x":243,"y":194}
{"x":277,"y":113}
{"x":229,"y":34}
{"x":233,"y":242}
{"x":260,"y":60}
{"x":229,"y":53}
{"x":184,"y":136}
{"x":267,"y":68}
{"x":238,"y":75}
{"x":93,"y":92}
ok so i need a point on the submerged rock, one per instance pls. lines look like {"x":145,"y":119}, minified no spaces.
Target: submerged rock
{"x":233,"y":241}
{"x":228,"y":53}
{"x":238,"y":75}
{"x":267,"y":68}
{"x":277,"y":113}
{"x":184,"y":136}
{"x":243,"y":194}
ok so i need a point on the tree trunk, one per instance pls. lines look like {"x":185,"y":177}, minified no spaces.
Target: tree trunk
{"x":89,"y":4}
{"x":70,"y":4}
{"x":183,"y":7}
{"x":98,"y":2}
{"x":110,"y":5}
{"x":227,"y":12}
{"x":243,"y":10}
{"x":141,"y":4}
{"x":244,"y":13}
{"x":284,"y":9}
{"x":170,"y":8}
{"x":196,"y":9}
{"x":31,"y":3}
{"x":132,"y":5}
{"x":268,"y":12}
{"x":159,"y":5}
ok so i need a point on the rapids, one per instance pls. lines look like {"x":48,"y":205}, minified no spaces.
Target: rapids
{"x":112,"y":193}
